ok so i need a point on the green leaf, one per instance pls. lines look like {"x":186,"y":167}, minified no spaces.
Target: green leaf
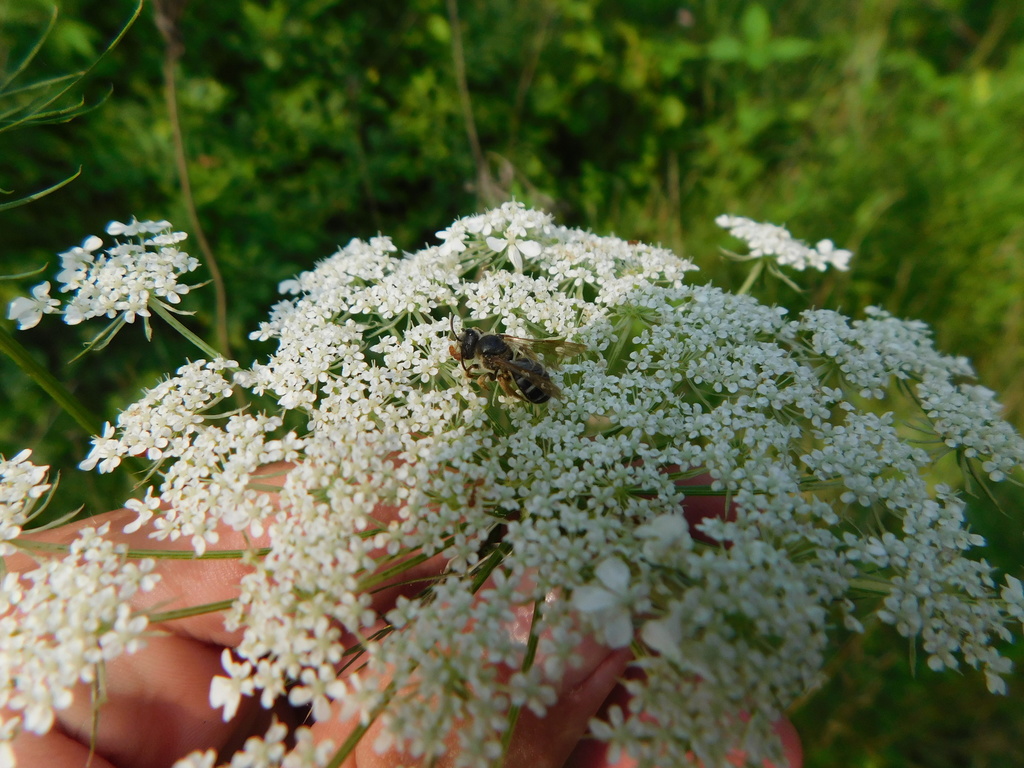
{"x":439,"y":28}
{"x":792,"y":48}
{"x":672,"y":111}
{"x":63,"y":114}
{"x":756,"y":25}
{"x":725,"y":48}
{"x":85,"y":418}
{"x":41,"y":193}
{"x":24,"y":275}
{"x":37,"y":111}
{"x":30,"y":55}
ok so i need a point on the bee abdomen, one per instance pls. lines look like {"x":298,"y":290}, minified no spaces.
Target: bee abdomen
{"x":531,"y":391}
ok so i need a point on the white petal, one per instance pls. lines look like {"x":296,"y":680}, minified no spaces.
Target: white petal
{"x":224,"y":692}
{"x":592,"y":599}
{"x":614,"y":574}
{"x":1014,"y":590}
{"x":663,"y":636}
{"x":530,"y":248}
{"x":41,"y":291}
{"x":25,"y":312}
{"x":618,"y":633}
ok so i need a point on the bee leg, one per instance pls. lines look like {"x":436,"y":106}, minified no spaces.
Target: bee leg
{"x":508,"y":387}
{"x":484,"y":379}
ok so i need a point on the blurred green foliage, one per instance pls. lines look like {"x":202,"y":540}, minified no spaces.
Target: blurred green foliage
{"x":895,"y":128}
{"x":26,"y":103}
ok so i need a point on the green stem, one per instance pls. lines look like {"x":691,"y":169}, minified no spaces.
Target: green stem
{"x":206,"y":349}
{"x":372,"y":581}
{"x":138,"y":554}
{"x":486,"y":567}
{"x":188,"y":554}
{"x":49,"y":384}
{"x":348,"y":747}
{"x":531,"y":653}
{"x":486,"y":190}
{"x":751,"y":278}
{"x":171,"y":56}
{"x":41,"y":546}
{"x":871,"y":585}
{"x":186,"y":613}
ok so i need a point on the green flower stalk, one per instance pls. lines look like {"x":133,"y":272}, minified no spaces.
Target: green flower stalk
{"x":576,"y":512}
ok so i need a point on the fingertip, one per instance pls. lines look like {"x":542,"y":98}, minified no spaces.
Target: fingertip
{"x":548,"y":742}
{"x":792,"y":748}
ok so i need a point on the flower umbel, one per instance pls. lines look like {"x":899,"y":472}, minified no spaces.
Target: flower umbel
{"x":579,"y":512}
{"x":62,"y":621}
{"x":21,"y":488}
{"x":770,"y":240}
{"x":119,"y":281}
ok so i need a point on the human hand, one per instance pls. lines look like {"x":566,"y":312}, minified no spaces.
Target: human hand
{"x":156,"y":705}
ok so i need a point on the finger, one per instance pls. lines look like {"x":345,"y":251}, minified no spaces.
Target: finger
{"x":792,"y":747}
{"x":55,"y":750}
{"x":536,"y":742}
{"x":590,"y":753}
{"x":156,"y":711}
{"x":164,"y":688}
{"x":190,"y":582}
{"x":168,"y":681}
{"x":152,"y":706}
{"x":548,"y":742}
{"x":183,"y":583}
{"x":407,"y":582}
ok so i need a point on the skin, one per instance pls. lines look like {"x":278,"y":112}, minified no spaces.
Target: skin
{"x":157,"y":708}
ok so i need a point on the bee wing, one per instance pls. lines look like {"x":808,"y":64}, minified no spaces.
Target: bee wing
{"x":533,"y":373}
{"x":551,"y":349}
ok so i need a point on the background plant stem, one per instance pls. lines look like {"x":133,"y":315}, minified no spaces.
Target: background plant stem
{"x":168,"y":13}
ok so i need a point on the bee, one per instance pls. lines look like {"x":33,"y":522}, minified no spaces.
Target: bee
{"x":511,"y":361}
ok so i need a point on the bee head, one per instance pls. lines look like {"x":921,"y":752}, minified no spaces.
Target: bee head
{"x":467,"y":341}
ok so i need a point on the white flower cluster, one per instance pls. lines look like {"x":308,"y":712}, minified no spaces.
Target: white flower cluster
{"x":119,"y":281}
{"x":967,"y":418}
{"x":270,"y":751}
{"x":577,"y":512}
{"x":510,"y":229}
{"x":22,"y":485}
{"x":61,"y":622}
{"x":771,"y":240}
{"x":172,"y":424}
{"x":163,"y":421}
